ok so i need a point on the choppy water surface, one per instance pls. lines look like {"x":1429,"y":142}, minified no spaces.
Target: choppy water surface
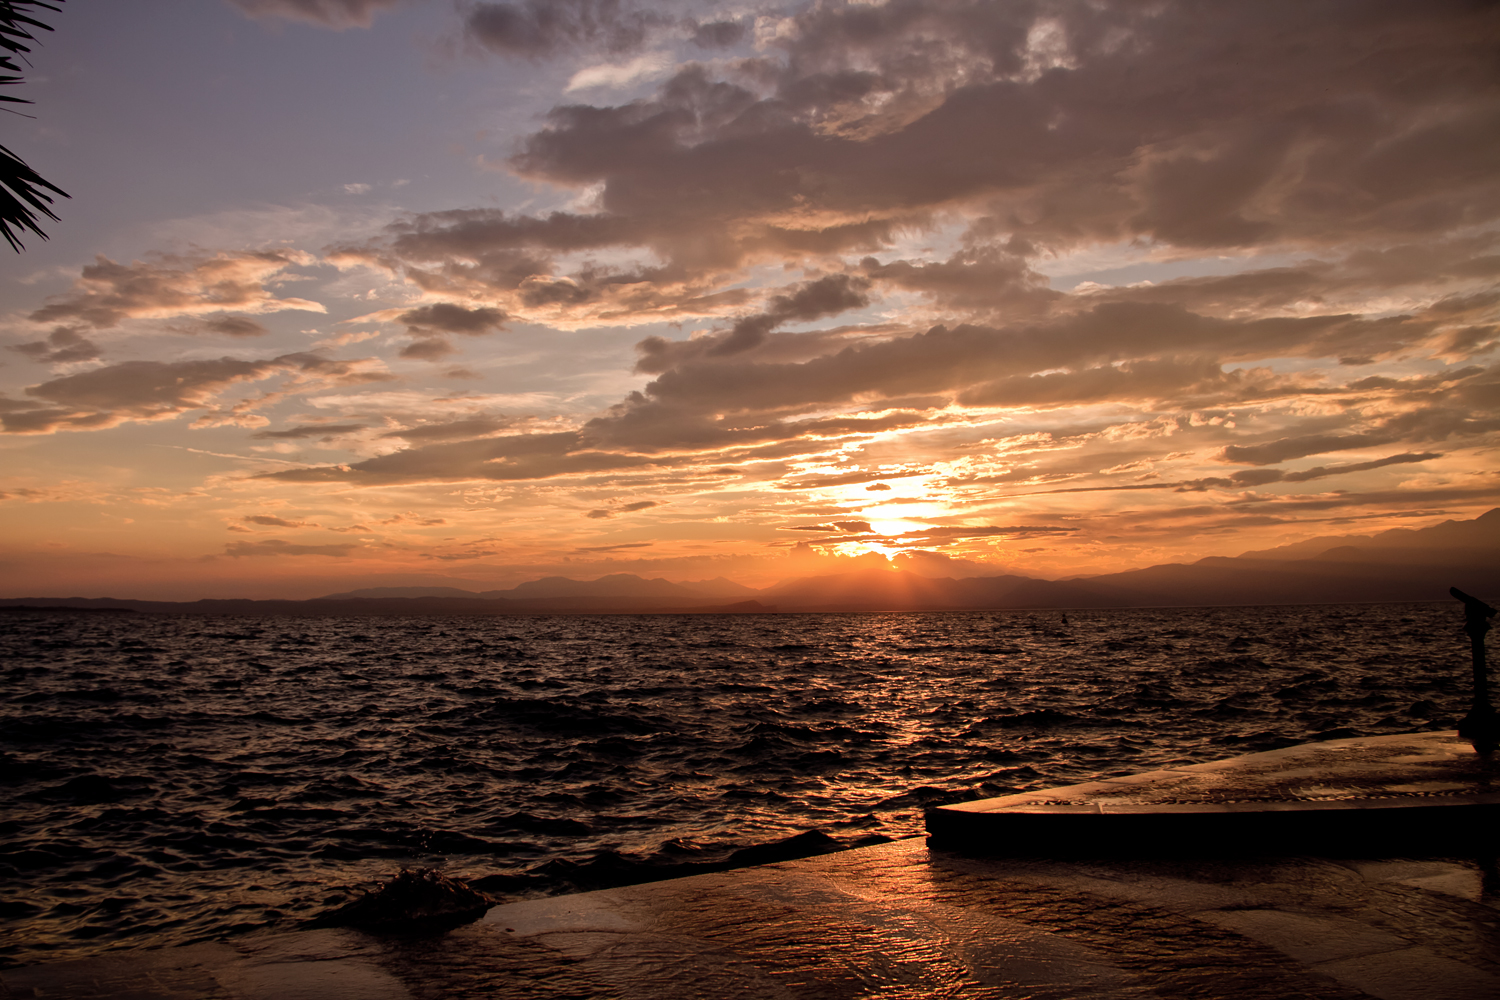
{"x":167,"y":779}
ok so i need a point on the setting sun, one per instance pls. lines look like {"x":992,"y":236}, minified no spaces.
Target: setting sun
{"x":1013,"y":319}
{"x":463,"y":452}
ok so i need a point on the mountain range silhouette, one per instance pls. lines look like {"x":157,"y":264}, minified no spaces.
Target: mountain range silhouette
{"x":1395,"y":565}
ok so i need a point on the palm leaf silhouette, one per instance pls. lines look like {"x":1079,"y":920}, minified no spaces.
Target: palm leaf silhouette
{"x":23,"y":192}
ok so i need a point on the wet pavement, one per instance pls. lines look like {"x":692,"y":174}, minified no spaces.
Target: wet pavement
{"x":906,"y":920}
{"x":1401,"y":793}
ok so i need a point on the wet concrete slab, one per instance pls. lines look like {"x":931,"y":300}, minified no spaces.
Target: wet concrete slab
{"x":902,"y":920}
{"x":312,"y":965}
{"x":896,"y":920}
{"x":1407,"y":792}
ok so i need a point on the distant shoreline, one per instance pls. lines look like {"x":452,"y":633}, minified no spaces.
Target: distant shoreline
{"x":423,"y":607}
{"x":64,"y":609}
{"x":1396,"y":567}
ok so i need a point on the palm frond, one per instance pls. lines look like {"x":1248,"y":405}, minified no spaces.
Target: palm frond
{"x":22,"y":190}
{"x":21,"y":197}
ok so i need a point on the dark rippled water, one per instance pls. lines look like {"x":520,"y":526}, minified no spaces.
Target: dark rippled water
{"x":167,"y":779}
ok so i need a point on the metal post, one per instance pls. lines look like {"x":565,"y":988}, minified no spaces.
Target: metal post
{"x":1480,"y":726}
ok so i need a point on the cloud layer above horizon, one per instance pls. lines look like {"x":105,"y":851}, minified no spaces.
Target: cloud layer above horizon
{"x":795,"y":284}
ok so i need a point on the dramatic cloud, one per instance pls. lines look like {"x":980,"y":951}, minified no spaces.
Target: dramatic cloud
{"x":431,"y":323}
{"x":63,"y":345}
{"x":1047,"y":128}
{"x":159,"y":390}
{"x":322,"y":432}
{"x":108,"y":293}
{"x":1252,"y":477}
{"x":270,"y":520}
{"x":718,"y":34}
{"x":812,"y":300}
{"x":429,"y":349}
{"x":1038,"y":285}
{"x":536,"y":28}
{"x":856,"y":526}
{"x":233,"y":326}
{"x":445,"y":317}
{"x":1273,"y":452}
{"x":625,"y":508}
{"x":715,"y":411}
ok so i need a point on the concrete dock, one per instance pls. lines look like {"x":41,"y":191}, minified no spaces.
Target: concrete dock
{"x":908,"y":920}
{"x":1403,"y":793}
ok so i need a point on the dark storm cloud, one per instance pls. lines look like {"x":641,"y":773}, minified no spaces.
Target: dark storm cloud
{"x":63,"y":345}
{"x":107,"y":293}
{"x":429,"y":325}
{"x":1246,"y":154}
{"x":1050,"y":124}
{"x":515,"y":457}
{"x":537,"y":28}
{"x":1363,"y":274}
{"x":151,"y":387}
{"x":944,"y":360}
{"x":625,"y":508}
{"x":846,"y":526}
{"x":827,"y":296}
{"x":1290,"y":506}
{"x":1364,"y":154}
{"x":448,"y":317}
{"x":1419,"y":382}
{"x":1324,"y":471}
{"x":718,"y":34}
{"x":630,"y":438}
{"x":322,"y":432}
{"x":429,"y":349}
{"x":1246,"y":479}
{"x":720,"y":405}
{"x":335,"y":14}
{"x":1280,"y":450}
{"x":157,"y":390}
{"x":272,"y":521}
{"x":234,"y":326}
{"x":1144,"y":381}
{"x":976,"y":279}
{"x":1264,"y":477}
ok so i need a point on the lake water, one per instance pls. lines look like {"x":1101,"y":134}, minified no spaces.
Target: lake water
{"x":171,"y":779}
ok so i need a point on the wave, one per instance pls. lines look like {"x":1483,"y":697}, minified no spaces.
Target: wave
{"x":165,"y":780}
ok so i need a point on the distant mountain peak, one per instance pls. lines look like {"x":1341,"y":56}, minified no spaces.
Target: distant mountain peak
{"x":1481,"y":532}
{"x":385,"y":592}
{"x":613,"y":585}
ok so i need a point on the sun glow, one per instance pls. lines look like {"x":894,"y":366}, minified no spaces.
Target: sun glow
{"x":894,"y":526}
{"x":906,"y":512}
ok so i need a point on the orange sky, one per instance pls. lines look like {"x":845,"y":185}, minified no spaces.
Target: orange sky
{"x":364,"y":293}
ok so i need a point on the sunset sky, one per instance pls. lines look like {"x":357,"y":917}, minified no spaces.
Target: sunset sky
{"x":394,"y":292}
